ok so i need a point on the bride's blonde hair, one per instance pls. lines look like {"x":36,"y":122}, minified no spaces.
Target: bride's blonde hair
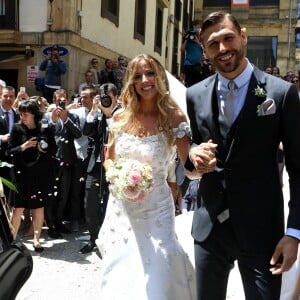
{"x":126,"y":118}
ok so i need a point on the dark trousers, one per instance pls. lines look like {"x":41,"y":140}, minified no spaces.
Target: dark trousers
{"x":214,"y":258}
{"x":73,"y":209}
{"x":96,"y":196}
{"x":55,"y":210}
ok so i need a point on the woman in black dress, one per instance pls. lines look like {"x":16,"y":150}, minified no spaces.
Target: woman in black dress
{"x":32,"y":147}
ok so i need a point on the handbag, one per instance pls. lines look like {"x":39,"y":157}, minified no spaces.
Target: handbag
{"x":16,"y":262}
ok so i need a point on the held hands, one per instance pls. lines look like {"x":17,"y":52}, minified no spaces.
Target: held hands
{"x":286,"y":248}
{"x":203,"y":157}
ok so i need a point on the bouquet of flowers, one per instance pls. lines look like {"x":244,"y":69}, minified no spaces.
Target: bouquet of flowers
{"x":130,"y":179}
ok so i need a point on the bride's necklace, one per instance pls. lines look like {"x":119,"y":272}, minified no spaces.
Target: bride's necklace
{"x":141,"y":131}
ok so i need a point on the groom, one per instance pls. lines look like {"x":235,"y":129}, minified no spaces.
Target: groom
{"x":236,"y":133}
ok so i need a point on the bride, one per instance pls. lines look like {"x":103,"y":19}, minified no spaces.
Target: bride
{"x":142,"y":258}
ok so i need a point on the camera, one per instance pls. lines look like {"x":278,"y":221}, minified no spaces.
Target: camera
{"x":62,"y":104}
{"x":42,"y":141}
{"x":54,"y":56}
{"x":190,"y":35}
{"x":105,"y":99}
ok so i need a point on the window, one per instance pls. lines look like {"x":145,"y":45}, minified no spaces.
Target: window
{"x":8,"y":14}
{"x":297,"y":37}
{"x":177,"y":12}
{"x":262,"y":51}
{"x":175,"y":52}
{"x":298,"y":40}
{"x":110,"y":10}
{"x":225,"y":3}
{"x":140,"y":20}
{"x":264,"y":2}
{"x":298,"y":11}
{"x":2,"y":7}
{"x":158,"y":28}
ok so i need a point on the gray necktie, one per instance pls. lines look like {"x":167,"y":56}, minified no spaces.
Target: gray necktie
{"x":229,"y":103}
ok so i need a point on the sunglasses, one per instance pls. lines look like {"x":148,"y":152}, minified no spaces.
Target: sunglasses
{"x":295,"y":81}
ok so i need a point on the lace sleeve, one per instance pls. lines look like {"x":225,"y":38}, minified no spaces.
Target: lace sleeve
{"x":182,"y":130}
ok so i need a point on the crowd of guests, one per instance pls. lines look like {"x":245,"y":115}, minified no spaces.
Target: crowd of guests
{"x":59,"y":150}
{"x":54,"y":147}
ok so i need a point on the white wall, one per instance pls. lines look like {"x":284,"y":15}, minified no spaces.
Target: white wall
{"x":120,"y":39}
{"x":33,"y":15}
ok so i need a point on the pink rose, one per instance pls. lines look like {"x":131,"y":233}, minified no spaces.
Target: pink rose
{"x":135,"y":178}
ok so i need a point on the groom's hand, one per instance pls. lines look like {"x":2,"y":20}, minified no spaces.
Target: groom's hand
{"x":287,"y":249}
{"x":203,"y":157}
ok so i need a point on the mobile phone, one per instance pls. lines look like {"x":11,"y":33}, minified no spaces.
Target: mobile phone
{"x":22,"y":89}
{"x":62,"y":104}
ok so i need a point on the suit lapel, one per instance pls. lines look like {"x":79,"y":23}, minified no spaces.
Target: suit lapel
{"x":249,"y":109}
{"x":210,"y":112}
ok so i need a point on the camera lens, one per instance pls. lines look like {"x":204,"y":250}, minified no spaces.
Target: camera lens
{"x":105,"y":101}
{"x":62,"y":104}
{"x":43,"y":144}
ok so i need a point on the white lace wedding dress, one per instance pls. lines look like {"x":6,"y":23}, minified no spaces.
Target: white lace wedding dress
{"x":142,"y":259}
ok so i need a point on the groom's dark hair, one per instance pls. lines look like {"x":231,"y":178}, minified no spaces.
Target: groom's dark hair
{"x":217,"y":17}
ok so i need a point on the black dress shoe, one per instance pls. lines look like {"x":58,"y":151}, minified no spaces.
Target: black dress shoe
{"x":63,"y":228}
{"x":89,"y":247}
{"x":38,"y":248}
{"x":54,"y":233}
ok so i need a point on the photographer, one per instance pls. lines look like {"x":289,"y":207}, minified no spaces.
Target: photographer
{"x":67,"y":128}
{"x":54,"y":67}
{"x":32,"y":148}
{"x":191,"y":48}
{"x":96,"y":189}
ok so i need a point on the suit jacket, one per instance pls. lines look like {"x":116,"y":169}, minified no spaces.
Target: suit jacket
{"x":248,"y":158}
{"x":97,"y":130}
{"x":81,"y":143}
{"x":64,"y":138}
{"x":4,"y":130}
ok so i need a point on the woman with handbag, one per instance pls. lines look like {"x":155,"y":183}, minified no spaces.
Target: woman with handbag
{"x":32,"y":147}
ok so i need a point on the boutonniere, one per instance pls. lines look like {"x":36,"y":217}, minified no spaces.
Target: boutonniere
{"x":260,"y":92}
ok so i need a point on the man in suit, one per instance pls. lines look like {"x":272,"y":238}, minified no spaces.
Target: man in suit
{"x":82,"y":146}
{"x":67,"y":128}
{"x":236,"y":133}
{"x":96,"y":189}
{"x":8,"y":117}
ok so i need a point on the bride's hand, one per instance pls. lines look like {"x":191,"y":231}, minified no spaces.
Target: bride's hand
{"x":203,"y":157}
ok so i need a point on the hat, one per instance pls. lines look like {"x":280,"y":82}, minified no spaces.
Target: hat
{"x":2,"y":83}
